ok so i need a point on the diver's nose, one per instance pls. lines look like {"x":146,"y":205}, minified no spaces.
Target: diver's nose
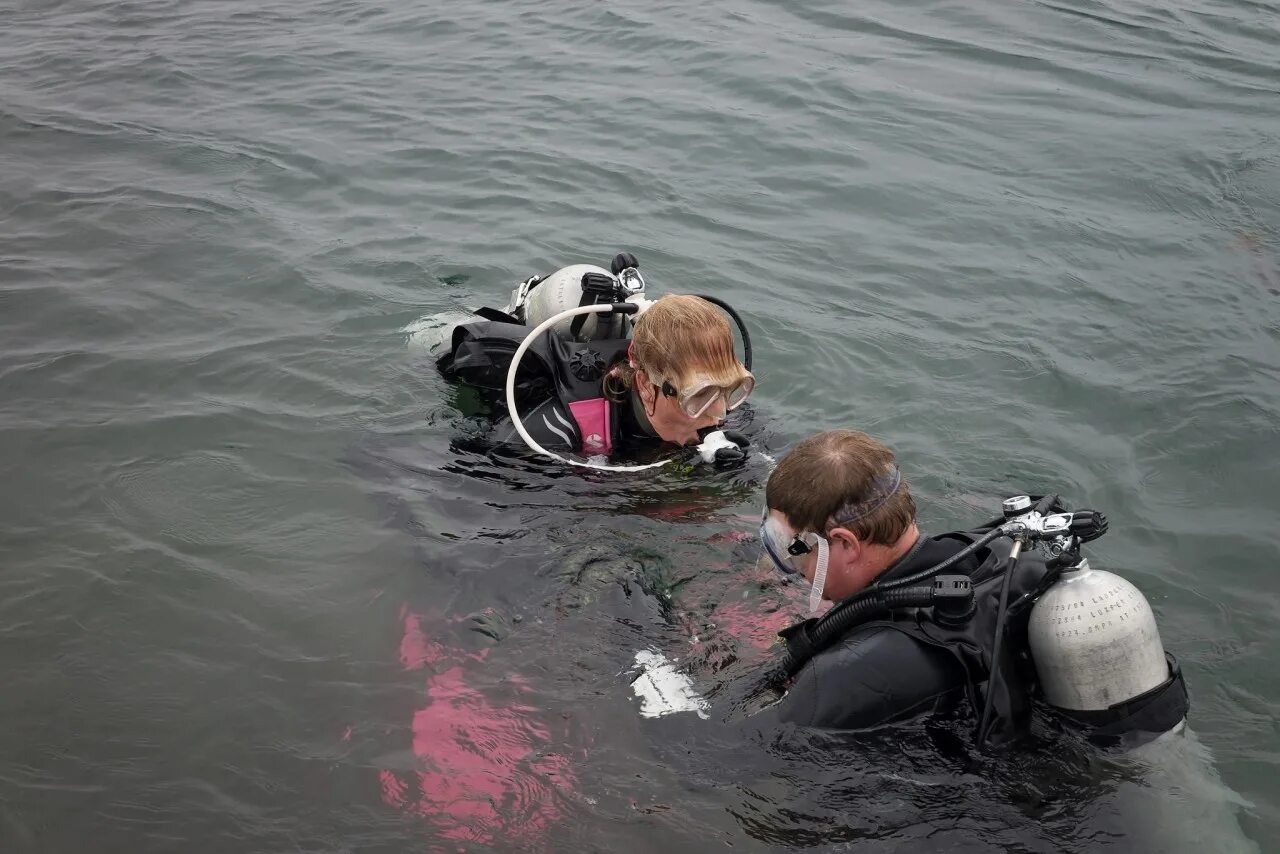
{"x":718,"y":411}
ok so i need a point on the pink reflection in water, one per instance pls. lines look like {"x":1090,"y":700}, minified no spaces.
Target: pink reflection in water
{"x":744,"y":622}
{"x":487,"y":774}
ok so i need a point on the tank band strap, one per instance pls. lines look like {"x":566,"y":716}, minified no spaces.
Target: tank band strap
{"x":1133,"y":721}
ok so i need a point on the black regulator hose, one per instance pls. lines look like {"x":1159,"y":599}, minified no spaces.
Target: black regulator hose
{"x":988,"y":702}
{"x":802,"y":644}
{"x":742,"y":327}
{"x":1002,"y":612}
{"x":926,"y":574}
{"x":808,"y":638}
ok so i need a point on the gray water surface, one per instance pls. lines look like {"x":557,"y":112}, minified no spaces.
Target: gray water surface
{"x":1027,"y":245}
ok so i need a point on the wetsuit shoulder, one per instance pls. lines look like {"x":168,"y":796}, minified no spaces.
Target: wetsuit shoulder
{"x":549,"y":423}
{"x":876,"y":675}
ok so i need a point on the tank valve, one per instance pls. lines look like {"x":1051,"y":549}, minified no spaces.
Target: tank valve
{"x":1015,"y":506}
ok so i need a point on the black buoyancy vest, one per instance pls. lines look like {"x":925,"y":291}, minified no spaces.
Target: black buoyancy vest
{"x":971,"y":645}
{"x":572,"y":371}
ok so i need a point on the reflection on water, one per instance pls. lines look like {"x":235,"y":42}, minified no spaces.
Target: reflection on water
{"x":485,"y":773}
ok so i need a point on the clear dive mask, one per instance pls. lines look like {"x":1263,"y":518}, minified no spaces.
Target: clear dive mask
{"x":790,"y":551}
{"x":695,"y":400}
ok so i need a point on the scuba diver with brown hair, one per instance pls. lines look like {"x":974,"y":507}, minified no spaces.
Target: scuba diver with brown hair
{"x":923,"y":623}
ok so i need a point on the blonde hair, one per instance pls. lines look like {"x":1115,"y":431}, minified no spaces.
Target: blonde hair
{"x":832,"y":471}
{"x":676,"y":337}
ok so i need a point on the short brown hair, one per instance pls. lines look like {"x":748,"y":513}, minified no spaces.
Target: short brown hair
{"x":832,"y":471}
{"x":677,"y":336}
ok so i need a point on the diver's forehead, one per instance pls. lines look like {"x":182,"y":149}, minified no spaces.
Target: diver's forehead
{"x":702,"y":375}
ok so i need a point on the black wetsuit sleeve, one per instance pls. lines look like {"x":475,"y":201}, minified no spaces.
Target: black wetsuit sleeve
{"x":875,"y":677}
{"x":549,"y":423}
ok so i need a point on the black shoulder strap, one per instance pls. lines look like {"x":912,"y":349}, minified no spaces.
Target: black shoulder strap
{"x":496,"y":315}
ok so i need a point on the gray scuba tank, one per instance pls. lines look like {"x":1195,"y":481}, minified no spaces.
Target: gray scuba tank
{"x":533,"y":301}
{"x":561,"y":291}
{"x":1095,"y":644}
{"x":1094,"y":641}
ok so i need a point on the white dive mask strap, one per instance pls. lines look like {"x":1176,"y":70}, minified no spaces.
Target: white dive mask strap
{"x":819,"y":575}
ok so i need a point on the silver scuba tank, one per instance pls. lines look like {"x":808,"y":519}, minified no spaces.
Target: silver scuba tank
{"x":535,"y":300}
{"x":1094,"y":641}
{"x":561,"y":291}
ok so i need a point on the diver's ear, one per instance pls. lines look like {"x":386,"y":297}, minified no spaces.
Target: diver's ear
{"x":645,"y":389}
{"x":850,"y":546}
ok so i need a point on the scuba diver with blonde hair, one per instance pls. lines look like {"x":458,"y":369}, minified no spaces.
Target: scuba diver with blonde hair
{"x":590,"y":367}
{"x":681,"y":374}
